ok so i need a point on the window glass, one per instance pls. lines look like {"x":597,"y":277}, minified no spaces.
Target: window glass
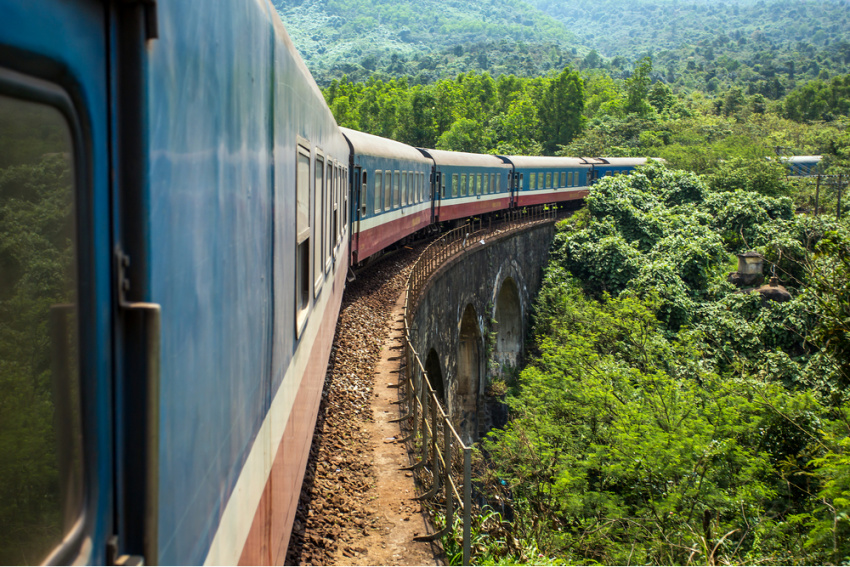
{"x":328,"y":217}
{"x":41,"y":470}
{"x":455,"y":185}
{"x":493,"y":179}
{"x":396,"y":191}
{"x":319,"y":221}
{"x":463,"y":185}
{"x":532,"y":181}
{"x":570,"y":179}
{"x":403,"y":188}
{"x":411,"y":187}
{"x":548,"y":179}
{"x":388,"y":190}
{"x":337,"y":202}
{"x":486,"y":183}
{"x":563,"y":182}
{"x":379,"y":181}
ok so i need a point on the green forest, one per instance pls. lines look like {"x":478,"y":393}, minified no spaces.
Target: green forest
{"x":766,"y":47}
{"x":665,"y":415}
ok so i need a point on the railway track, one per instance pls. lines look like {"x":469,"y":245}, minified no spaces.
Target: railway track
{"x":342,"y":517}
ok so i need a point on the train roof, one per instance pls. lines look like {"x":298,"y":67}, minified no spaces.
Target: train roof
{"x":545,"y":161}
{"x":618,"y":161}
{"x":802,"y":159}
{"x":370,"y":145}
{"x":443,"y":157}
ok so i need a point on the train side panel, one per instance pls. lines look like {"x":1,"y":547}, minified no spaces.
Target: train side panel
{"x":230,"y":101}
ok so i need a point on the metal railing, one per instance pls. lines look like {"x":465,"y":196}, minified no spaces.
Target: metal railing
{"x":442,"y":456}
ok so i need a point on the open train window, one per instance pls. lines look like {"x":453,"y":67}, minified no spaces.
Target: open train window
{"x":302,"y":231}
{"x":41,"y":431}
{"x":329,"y":213}
{"x":318,"y":221}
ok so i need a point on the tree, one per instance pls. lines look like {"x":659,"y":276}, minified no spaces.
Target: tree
{"x":637,"y":88}
{"x":561,"y":110}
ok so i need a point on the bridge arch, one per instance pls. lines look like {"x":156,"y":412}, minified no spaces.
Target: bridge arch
{"x":469,"y":366}
{"x":435,"y":374}
{"x":507,"y":349}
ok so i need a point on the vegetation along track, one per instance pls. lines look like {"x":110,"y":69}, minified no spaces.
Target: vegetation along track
{"x":339,"y":519}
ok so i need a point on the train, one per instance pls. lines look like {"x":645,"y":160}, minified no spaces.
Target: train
{"x":179,"y":212}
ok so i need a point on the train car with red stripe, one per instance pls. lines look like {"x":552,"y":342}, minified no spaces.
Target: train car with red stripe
{"x":391,"y":185}
{"x":468,"y":184}
{"x":189,"y":187}
{"x":541,"y":179}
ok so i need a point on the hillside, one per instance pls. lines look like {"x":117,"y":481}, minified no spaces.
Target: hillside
{"x":429,"y":38}
{"x":767,"y":47}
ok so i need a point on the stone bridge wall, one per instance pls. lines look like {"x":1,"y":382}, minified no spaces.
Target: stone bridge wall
{"x":471,"y":319}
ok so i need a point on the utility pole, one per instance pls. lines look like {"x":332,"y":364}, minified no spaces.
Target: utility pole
{"x":817,"y":195}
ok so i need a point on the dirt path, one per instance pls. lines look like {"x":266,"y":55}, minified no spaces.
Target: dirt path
{"x":356,"y":506}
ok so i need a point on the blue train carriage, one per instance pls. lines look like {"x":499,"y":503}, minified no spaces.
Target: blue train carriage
{"x":468,"y":184}
{"x":196,"y":188}
{"x":802,"y":166}
{"x":606,"y":166}
{"x":541,"y":179}
{"x":391,"y":185}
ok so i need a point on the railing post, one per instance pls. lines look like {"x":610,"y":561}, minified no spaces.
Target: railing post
{"x":435,"y":449}
{"x":447,"y":458}
{"x":467,"y":504}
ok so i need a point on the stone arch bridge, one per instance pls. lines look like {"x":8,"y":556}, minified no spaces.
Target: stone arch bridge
{"x":471,"y":319}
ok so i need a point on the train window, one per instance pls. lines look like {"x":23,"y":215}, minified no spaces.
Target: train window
{"x":337,"y":204}
{"x":549,"y":180}
{"x":379,"y":182}
{"x":411,"y":186}
{"x":455,"y":185}
{"x":563,"y":182}
{"x":532,"y":181}
{"x":463,"y":185}
{"x":41,"y":447}
{"x":388,"y":190}
{"x":493,"y":178}
{"x":396,"y":192}
{"x":403,"y":188}
{"x":319,"y":218}
{"x":329,"y":213}
{"x":343,"y":198}
{"x":485,"y":187}
{"x":363,"y":186}
{"x":302,"y":252}
{"x":570,"y":179}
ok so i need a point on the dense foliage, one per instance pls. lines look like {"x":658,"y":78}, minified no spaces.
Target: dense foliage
{"x":764,"y":47}
{"x":666,"y":417}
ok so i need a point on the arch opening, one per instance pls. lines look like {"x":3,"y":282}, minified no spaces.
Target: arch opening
{"x":435,"y":374}
{"x":468,"y":374}
{"x":508,"y":348}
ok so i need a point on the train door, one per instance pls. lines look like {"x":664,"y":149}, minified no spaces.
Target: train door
{"x":56,"y":284}
{"x":358,"y":188}
{"x":436,"y":196}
